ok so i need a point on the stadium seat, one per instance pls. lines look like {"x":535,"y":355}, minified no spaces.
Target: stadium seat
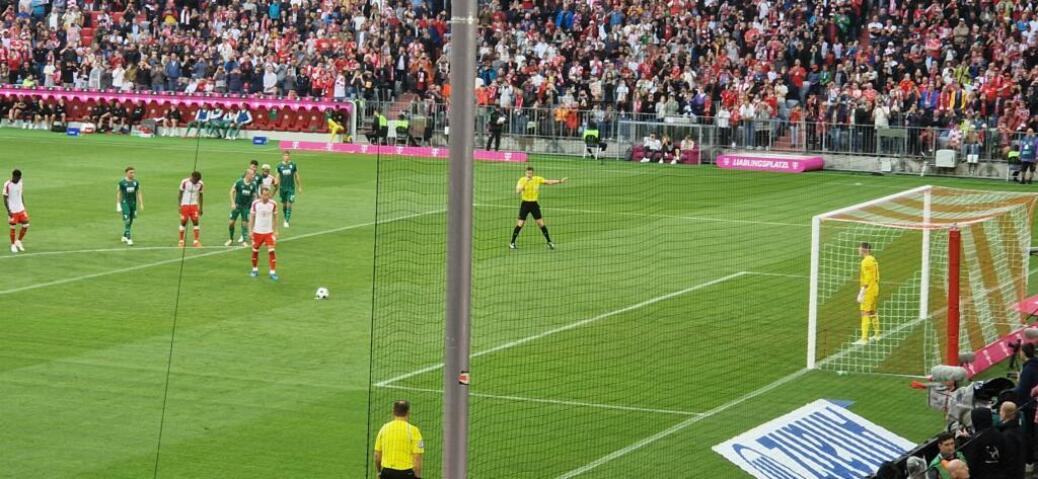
{"x":315,"y":123}
{"x":637,"y":152}
{"x":260,"y":118}
{"x":690,"y":157}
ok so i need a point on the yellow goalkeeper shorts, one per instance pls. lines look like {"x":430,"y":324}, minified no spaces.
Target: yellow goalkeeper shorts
{"x":870,"y":301}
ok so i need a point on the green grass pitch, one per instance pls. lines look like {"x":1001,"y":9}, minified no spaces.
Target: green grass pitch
{"x":674,"y":309}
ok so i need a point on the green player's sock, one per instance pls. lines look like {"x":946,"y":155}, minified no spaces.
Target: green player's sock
{"x":230,"y":229}
{"x":126,"y":228}
{"x":244,"y":234}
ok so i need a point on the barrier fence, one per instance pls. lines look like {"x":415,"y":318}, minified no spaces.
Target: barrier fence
{"x":559,"y":130}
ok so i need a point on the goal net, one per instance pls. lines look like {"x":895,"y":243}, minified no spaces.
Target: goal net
{"x":926,"y":240}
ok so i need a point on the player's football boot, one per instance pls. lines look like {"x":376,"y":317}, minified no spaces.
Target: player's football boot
{"x":129,"y":242}
{"x":14,"y":249}
{"x":18,"y":244}
{"x":196,"y":244}
{"x":254,"y":273}
{"x":180,"y":243}
{"x":274,"y":276}
{"x":511,"y":246}
{"x":551,"y":245}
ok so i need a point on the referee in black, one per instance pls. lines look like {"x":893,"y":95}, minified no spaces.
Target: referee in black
{"x":399,"y":446}
{"x":528,"y":189}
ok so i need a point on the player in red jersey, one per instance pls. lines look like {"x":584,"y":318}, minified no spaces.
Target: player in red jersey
{"x":190,"y":199}
{"x":263,"y":223}
{"x":15,"y":205}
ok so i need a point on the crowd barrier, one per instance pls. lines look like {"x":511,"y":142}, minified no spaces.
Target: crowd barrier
{"x":412,"y":151}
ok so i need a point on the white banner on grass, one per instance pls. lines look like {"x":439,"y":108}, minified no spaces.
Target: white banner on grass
{"x":818,"y":441}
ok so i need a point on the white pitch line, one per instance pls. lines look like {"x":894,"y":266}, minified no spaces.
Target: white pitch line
{"x":188,"y":258}
{"x":721,"y":408}
{"x":103,"y":250}
{"x":566,"y":327}
{"x":560,"y":402}
{"x":644,"y":215}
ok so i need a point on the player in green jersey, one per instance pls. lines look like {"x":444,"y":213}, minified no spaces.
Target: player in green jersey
{"x":289,"y":182}
{"x":129,"y":202}
{"x":242,"y":194}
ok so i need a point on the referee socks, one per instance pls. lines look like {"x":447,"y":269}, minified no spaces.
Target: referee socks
{"x":515,"y":233}
{"x":544,"y":229}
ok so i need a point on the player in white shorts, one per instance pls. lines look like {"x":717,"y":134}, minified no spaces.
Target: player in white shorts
{"x":16,"y":214}
{"x":263,"y":223}
{"x":190,"y":196}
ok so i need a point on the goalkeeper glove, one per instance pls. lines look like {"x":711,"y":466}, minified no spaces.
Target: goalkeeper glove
{"x":861,"y":295}
{"x":118,"y":208}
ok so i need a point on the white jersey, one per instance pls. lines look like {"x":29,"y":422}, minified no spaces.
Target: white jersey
{"x":267,"y":182}
{"x":189,"y":192}
{"x":264,"y":216}
{"x":13,"y":193}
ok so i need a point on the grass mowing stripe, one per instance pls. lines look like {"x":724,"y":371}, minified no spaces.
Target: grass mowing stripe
{"x":724,"y":407}
{"x":560,"y":402}
{"x":567,"y":327}
{"x":644,"y":215}
{"x":203,"y":255}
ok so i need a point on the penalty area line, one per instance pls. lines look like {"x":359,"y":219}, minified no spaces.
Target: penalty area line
{"x":569,"y":326}
{"x":104,"y":250}
{"x":203,"y":255}
{"x":724,"y":407}
{"x":560,"y":402}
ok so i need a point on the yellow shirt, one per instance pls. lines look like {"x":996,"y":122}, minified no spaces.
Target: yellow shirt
{"x":869,"y":273}
{"x":398,"y":441}
{"x":531,"y":187}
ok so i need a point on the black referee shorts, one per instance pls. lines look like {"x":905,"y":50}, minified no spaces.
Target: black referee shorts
{"x":397,"y":474}
{"x":527,"y":208}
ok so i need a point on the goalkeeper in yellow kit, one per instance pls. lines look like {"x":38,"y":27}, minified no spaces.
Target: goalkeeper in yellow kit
{"x":868,"y":295}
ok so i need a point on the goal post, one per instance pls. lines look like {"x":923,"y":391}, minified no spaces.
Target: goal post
{"x":953,"y":266}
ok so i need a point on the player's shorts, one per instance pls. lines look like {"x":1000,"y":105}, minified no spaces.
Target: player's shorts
{"x":240,"y":212}
{"x":288,"y":195}
{"x":870,"y":301}
{"x":334,"y":127}
{"x":1027,"y":166}
{"x":527,"y":208}
{"x":260,"y":239}
{"x":19,"y":218}
{"x":129,"y":210}
{"x":189,"y":212}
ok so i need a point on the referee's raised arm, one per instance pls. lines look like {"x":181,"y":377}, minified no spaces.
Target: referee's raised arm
{"x":399,"y":446}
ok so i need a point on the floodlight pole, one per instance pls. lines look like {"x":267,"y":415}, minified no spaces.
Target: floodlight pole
{"x":459,"y":239}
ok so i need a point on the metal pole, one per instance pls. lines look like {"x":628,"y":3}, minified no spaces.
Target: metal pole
{"x":459,"y":239}
{"x":954,"y":251}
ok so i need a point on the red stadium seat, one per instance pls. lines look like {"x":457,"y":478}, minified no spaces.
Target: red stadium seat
{"x":260,"y":119}
{"x":637,"y":152}
{"x":315,"y":122}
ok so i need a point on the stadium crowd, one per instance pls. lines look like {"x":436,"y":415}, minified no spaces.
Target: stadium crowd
{"x":833,"y":71}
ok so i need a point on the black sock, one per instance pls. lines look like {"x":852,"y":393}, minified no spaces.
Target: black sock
{"x":515,"y":233}
{"x":544,"y":229}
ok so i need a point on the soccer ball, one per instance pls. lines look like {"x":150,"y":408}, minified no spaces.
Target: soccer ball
{"x":322,"y":293}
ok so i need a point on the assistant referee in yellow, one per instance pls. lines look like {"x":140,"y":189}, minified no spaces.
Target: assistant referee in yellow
{"x":529,"y":190}
{"x":399,"y":446}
